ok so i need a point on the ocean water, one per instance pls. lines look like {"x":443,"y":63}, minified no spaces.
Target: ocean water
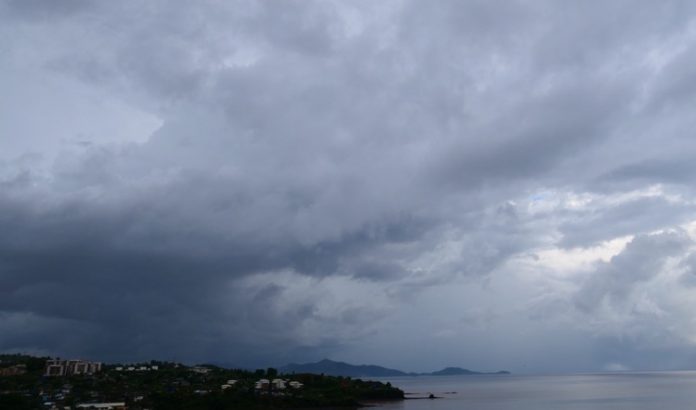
{"x":634,"y":391}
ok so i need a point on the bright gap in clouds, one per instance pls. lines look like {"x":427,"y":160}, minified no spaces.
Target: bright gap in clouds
{"x":67,"y":115}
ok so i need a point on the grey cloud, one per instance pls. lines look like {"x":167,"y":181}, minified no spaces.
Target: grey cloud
{"x":45,"y":9}
{"x":320,"y":165}
{"x":688,"y":277}
{"x":675,"y":170}
{"x":635,"y":216}
{"x":642,"y":260}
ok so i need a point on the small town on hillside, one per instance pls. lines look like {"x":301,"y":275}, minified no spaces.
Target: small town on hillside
{"x":28,"y":382}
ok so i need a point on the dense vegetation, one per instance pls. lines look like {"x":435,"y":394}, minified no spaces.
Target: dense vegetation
{"x":175,"y":386}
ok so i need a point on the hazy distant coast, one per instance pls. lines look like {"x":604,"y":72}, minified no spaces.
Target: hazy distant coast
{"x":334,"y":368}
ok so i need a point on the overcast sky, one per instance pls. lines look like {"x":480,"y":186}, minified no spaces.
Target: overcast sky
{"x":492,"y":185}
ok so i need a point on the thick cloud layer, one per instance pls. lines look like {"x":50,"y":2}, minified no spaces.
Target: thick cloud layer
{"x":509,"y":184}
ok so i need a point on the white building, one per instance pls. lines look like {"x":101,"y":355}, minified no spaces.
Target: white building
{"x":57,"y":367}
{"x":262,"y":384}
{"x":200,"y":369}
{"x":136,"y":368}
{"x":103,"y":406}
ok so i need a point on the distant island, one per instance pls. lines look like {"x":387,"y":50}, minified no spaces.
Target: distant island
{"x":458,"y":371}
{"x":333,"y":368}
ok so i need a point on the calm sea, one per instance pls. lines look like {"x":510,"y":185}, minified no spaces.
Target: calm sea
{"x":634,"y":391}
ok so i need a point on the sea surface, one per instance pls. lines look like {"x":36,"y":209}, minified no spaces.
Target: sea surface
{"x":634,"y":391}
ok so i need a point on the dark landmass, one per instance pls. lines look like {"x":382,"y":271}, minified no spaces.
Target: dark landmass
{"x":330,"y":367}
{"x":458,"y":371}
{"x":173,"y":386}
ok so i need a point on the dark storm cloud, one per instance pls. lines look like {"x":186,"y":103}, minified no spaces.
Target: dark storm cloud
{"x":139,"y":273}
{"x":320,"y":165}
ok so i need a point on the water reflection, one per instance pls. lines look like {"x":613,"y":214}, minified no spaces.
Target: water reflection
{"x":634,"y":391}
